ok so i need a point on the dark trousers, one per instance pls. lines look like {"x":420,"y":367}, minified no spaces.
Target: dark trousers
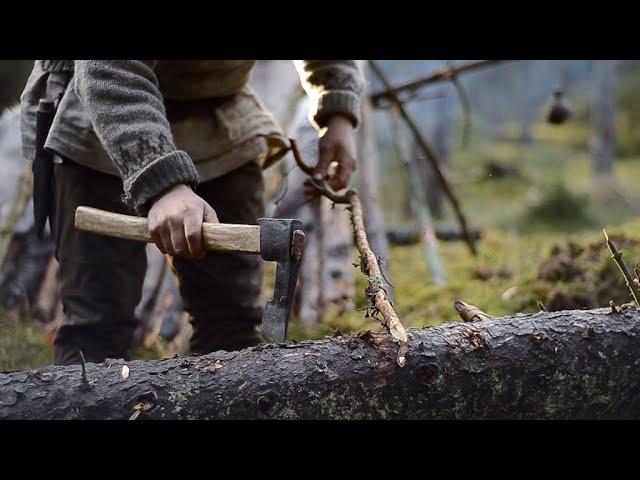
{"x":101,"y":277}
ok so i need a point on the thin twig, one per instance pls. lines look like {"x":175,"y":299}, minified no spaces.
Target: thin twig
{"x":85,"y":378}
{"x":296,"y":154}
{"x":431,"y":156}
{"x":282,"y":191}
{"x":617,"y":257}
{"x":417,"y":97}
{"x":321,"y":186}
{"x":541,"y":306}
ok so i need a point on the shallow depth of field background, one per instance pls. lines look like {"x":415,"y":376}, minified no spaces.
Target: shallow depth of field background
{"x":542,"y":226}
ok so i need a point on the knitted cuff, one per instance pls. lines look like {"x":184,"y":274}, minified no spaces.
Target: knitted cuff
{"x":337,"y":101}
{"x":160,"y":175}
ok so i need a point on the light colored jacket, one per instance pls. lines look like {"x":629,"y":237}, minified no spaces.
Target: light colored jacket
{"x":112,"y":116}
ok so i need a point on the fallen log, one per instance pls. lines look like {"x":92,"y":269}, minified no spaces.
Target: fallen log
{"x":559,"y":365}
{"x":410,"y":235}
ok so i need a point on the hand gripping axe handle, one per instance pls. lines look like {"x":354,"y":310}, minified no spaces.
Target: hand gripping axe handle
{"x":274,"y":239}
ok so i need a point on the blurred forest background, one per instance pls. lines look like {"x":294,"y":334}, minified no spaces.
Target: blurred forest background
{"x":537,"y":193}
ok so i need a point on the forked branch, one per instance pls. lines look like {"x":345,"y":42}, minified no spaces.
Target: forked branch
{"x":369,"y":264}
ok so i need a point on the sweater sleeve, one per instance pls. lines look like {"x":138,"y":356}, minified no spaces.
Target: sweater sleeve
{"x":333,"y":86}
{"x":127,"y":112}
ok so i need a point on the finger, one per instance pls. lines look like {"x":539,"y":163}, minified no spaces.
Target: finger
{"x":178,"y":242}
{"x":165,"y":239}
{"x":154,"y":231}
{"x":342,"y":176}
{"x":326,"y":154}
{"x":193,"y":235}
{"x":210,"y":215}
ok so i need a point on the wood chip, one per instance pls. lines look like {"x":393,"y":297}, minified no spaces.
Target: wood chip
{"x":470,"y":313}
{"x":402,"y":354}
{"x":140,"y":407}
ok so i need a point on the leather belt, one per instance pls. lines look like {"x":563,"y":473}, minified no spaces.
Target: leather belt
{"x":178,"y":110}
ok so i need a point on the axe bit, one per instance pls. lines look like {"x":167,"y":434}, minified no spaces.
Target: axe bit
{"x":274,"y":239}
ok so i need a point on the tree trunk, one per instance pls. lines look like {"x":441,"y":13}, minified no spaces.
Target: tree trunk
{"x":410,"y":235}
{"x":560,"y":365}
{"x":532,"y":97}
{"x":603,"y":120}
{"x":369,"y":183}
{"x":419,"y":205}
{"x":439,"y":132}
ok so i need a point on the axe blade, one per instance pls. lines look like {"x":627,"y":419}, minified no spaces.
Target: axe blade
{"x":282,"y":241}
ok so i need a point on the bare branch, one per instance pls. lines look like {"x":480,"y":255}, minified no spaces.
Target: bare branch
{"x":617,"y":257}
{"x":437,"y":76}
{"x":369,"y":264}
{"x":431,"y":156}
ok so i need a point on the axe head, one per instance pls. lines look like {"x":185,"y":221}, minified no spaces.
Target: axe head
{"x":281,"y":241}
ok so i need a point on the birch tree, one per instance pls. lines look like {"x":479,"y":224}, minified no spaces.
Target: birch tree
{"x":603,"y":139}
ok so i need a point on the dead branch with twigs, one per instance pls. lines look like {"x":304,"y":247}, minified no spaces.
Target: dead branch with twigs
{"x":369,"y":264}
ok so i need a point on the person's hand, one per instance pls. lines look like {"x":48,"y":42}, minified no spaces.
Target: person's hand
{"x":175,"y":221}
{"x":337,"y":155}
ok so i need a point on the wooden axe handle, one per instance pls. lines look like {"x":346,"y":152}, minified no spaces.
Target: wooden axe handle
{"x":219,"y":237}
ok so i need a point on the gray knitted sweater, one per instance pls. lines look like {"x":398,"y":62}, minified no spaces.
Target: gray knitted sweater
{"x":112,"y":116}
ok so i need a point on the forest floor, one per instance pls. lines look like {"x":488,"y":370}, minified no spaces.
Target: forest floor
{"x":542,"y":238}
{"x":542,"y":242}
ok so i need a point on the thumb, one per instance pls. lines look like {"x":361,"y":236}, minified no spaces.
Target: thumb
{"x":210,"y":215}
{"x":326,"y":154}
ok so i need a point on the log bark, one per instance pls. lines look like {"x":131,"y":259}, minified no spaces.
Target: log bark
{"x":559,"y":365}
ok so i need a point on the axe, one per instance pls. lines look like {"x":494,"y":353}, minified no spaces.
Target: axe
{"x":274,"y":239}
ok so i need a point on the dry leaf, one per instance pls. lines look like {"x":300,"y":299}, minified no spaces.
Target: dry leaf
{"x":125,"y":372}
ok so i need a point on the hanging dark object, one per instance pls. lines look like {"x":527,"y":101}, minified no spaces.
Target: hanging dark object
{"x":560,"y":110}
